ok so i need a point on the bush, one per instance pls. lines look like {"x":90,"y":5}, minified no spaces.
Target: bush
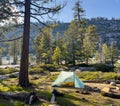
{"x":84,"y":65}
{"x":4,"y":88}
{"x":13,"y":76}
{"x":43,"y":68}
{"x":36,"y":70}
{"x":15,"y":88}
{"x":2,"y":71}
{"x":49,"y":67}
{"x":103,"y":68}
{"x":7,"y":71}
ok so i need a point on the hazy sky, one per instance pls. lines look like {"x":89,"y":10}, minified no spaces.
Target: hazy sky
{"x":93,"y":8}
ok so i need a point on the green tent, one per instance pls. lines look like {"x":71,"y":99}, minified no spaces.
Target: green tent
{"x":68,"y":77}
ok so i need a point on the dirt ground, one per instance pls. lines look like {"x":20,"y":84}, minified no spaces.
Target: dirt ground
{"x":100,"y":85}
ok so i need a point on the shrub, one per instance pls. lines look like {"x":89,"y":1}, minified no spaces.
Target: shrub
{"x":103,"y":68}
{"x":36,"y":70}
{"x":11,"y":70}
{"x":84,"y":65}
{"x":13,"y":76}
{"x":15,"y":88}
{"x":44,"y":68}
{"x":49,"y":67}
{"x":4,"y":89}
{"x":7,"y":70}
{"x":2,"y":71}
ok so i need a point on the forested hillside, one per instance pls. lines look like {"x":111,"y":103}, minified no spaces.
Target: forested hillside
{"x":108,"y":30}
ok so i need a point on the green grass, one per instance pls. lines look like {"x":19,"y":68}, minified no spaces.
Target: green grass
{"x":87,"y":75}
{"x":10,"y":85}
{"x":42,"y":85}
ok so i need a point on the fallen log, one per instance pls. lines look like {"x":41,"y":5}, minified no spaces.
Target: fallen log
{"x":20,"y":96}
{"x":23,"y":96}
{"x":110,"y":94}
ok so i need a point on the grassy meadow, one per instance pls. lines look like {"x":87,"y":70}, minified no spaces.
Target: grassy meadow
{"x":41,"y":83}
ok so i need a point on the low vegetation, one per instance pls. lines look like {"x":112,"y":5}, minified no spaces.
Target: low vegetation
{"x":103,"y":67}
{"x":84,"y":75}
{"x":7,"y":70}
{"x":41,"y":84}
{"x":42,"y":76}
{"x":87,"y":75}
{"x":45,"y":68}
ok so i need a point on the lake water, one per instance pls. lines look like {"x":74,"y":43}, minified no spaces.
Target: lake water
{"x":6,"y":61}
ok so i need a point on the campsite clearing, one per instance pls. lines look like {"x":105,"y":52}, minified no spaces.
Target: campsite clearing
{"x":42,"y":85}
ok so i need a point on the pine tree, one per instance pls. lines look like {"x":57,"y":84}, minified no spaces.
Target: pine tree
{"x":59,"y":42}
{"x":71,"y":42}
{"x":109,"y":53}
{"x":105,"y":52}
{"x":37,"y":49}
{"x":57,"y":55}
{"x":15,"y":49}
{"x":78,"y":12}
{"x":90,"y":43}
{"x":36,"y":9}
{"x":44,"y":45}
{"x":1,"y":52}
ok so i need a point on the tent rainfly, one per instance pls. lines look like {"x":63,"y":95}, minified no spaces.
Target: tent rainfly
{"x":68,"y":77}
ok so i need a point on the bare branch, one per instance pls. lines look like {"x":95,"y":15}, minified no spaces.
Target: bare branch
{"x":17,"y":3}
{"x":47,"y":12}
{"x":39,"y":21}
{"x":43,"y":8}
{"x":10,"y":40}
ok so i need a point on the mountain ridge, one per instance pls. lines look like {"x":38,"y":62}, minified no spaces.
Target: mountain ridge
{"x":108,"y":30}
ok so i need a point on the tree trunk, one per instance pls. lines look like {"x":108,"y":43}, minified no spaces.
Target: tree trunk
{"x":38,"y":58}
{"x":14,"y":53}
{"x":112,"y":61}
{"x":0,"y":59}
{"x":23,"y":74}
{"x":74,"y":60}
{"x":86,"y":61}
{"x":73,"y":57}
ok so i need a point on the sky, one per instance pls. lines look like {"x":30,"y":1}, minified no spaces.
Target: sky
{"x":93,"y":8}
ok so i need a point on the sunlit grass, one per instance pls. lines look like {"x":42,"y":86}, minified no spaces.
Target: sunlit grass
{"x":87,"y":75}
{"x":41,"y":84}
{"x":4,"y":88}
{"x":7,"y":70}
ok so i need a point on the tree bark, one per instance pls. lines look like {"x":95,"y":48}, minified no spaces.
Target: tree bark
{"x":14,"y":53}
{"x":23,"y":74}
{"x":0,"y":59}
